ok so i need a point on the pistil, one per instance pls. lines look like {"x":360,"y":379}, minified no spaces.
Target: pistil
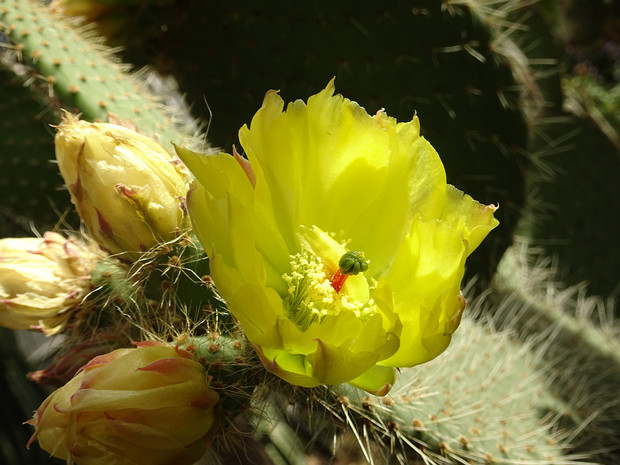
{"x":351,"y":263}
{"x":338,"y":280}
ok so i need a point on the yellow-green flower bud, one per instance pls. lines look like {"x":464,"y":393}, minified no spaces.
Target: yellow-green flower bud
{"x":128,"y":189}
{"x":42,"y":280}
{"x":148,"y":405}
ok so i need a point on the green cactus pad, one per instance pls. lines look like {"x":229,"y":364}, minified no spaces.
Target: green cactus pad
{"x":583,"y":341}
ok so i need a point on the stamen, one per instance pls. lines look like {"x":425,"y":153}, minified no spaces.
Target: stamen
{"x":312,"y":295}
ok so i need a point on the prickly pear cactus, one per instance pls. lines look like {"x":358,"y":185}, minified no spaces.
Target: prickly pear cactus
{"x":530,"y":375}
{"x":574,"y":147}
{"x":80,"y":72}
{"x":582,"y":336}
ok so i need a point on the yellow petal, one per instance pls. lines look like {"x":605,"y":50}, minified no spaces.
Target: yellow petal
{"x":425,"y":278}
{"x":331,"y":152}
{"x":221,"y":203}
{"x":333,"y":365}
{"x":378,"y":380}
{"x":475,"y":219}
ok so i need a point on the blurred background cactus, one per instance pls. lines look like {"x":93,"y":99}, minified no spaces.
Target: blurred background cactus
{"x":521,"y":100}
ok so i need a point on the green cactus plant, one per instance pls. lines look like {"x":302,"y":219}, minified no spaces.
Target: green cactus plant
{"x":572,"y":147}
{"x":544,"y":396}
{"x":582,"y":336}
{"x":82,"y":74}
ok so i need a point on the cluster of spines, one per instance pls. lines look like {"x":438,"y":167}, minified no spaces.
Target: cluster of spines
{"x":480,"y":402}
{"x":581,"y":335}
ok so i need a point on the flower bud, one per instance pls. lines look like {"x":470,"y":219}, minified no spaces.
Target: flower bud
{"x":127,"y":188}
{"x":42,"y":280}
{"x":148,"y":405}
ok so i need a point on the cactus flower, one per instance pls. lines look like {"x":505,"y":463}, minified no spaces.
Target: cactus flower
{"x":337,"y":244}
{"x":127,"y":188}
{"x":42,"y":280}
{"x":149,"y":405}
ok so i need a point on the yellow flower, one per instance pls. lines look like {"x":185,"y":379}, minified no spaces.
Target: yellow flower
{"x":150,"y":405}
{"x":126,"y":187}
{"x":324,"y":182}
{"x":42,"y":280}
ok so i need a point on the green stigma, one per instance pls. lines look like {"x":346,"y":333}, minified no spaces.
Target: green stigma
{"x":352,"y":263}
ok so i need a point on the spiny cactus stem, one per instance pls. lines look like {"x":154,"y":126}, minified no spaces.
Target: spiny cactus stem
{"x":567,"y":328}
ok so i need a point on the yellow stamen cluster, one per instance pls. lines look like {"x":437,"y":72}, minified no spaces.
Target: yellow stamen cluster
{"x":311,"y":295}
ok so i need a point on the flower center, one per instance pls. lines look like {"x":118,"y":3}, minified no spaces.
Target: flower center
{"x":316,"y":282}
